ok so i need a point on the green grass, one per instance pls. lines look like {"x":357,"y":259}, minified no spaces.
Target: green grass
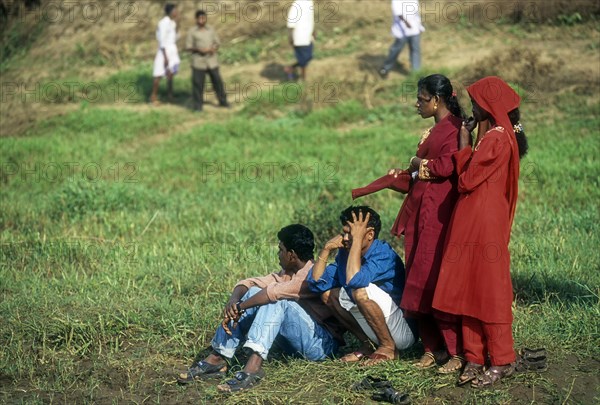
{"x":111,"y":283}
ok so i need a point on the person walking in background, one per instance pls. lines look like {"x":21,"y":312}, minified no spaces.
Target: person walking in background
{"x":474,"y":280}
{"x":203,"y":43}
{"x":301,"y":31}
{"x":406,"y":28}
{"x":166,"y":61}
{"x":424,"y":219}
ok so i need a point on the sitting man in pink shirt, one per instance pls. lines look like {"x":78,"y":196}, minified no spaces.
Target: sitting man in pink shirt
{"x":277,"y":307}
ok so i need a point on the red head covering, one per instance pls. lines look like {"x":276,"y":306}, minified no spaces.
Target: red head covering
{"x":498,"y":99}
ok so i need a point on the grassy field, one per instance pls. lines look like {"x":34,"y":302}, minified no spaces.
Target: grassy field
{"x":123,"y":229}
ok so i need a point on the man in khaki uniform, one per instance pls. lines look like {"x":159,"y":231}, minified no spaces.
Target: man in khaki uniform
{"x":203,"y":42}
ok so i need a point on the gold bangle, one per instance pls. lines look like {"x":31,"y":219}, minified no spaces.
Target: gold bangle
{"x":321,"y":259}
{"x":410,"y":162}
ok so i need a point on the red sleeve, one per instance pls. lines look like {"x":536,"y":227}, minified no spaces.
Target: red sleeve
{"x":442,"y":166}
{"x":461,"y":158}
{"x":491,"y":156}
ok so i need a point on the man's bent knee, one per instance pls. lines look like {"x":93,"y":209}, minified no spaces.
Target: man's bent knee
{"x":360,"y":295}
{"x":331,"y":298}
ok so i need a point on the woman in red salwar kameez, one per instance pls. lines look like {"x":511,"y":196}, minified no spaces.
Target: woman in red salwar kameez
{"x":474,"y":280}
{"x":424,"y":219}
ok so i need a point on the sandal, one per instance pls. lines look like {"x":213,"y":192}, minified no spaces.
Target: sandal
{"x":392,"y":396}
{"x":370,"y":383}
{"x":524,"y":366}
{"x":376,"y":358}
{"x":429,"y":360}
{"x":202,"y":370}
{"x":532,"y":354}
{"x":241,"y":381}
{"x":454,"y":364}
{"x":426,"y":361}
{"x":470,"y":373}
{"x":531,"y":360}
{"x":353,"y":357}
{"x":492,"y":375}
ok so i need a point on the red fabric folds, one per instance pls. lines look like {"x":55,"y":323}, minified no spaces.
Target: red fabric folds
{"x":474,"y":278}
{"x":401,"y":183}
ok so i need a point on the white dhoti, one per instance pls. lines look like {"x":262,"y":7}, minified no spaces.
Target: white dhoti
{"x":159,"y":61}
{"x":398,"y":326}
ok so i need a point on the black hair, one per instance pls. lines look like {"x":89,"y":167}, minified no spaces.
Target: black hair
{"x":374,"y":219}
{"x":515,"y":117}
{"x":439,"y":85}
{"x":298,"y":238}
{"x":199,"y":13}
{"x":169,"y":8}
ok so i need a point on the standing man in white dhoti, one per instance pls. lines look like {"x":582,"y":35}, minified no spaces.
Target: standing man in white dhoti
{"x":166,"y":62}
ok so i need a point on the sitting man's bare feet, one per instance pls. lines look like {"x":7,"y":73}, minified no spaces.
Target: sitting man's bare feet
{"x":361,"y":353}
{"x":380,"y":355}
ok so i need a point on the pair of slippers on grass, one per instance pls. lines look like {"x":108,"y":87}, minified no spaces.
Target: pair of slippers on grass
{"x":531,"y":360}
{"x":385,"y":392}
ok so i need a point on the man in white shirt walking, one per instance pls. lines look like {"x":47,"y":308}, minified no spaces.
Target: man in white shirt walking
{"x":166,"y":61}
{"x":406,"y":28}
{"x":301,"y":26}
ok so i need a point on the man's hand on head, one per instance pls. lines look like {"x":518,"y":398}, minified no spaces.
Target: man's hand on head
{"x":359,"y":225}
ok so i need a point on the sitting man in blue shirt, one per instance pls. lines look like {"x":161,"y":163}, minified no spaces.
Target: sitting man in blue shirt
{"x":363,"y":286}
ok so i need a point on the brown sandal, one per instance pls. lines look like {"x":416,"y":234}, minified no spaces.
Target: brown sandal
{"x":456,"y":363}
{"x":470,"y":373}
{"x":431,"y":359}
{"x":492,"y":375}
{"x":426,"y":361}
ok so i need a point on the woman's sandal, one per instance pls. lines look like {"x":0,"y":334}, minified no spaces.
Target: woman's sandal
{"x":429,"y":360}
{"x":456,"y":363}
{"x":470,"y":373}
{"x":492,"y":375}
{"x":426,"y":361}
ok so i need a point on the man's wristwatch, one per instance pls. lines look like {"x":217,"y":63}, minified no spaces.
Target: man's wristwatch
{"x":238,"y":308}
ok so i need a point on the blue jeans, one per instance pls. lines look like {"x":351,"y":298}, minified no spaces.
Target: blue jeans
{"x":414,"y":44}
{"x":285,"y":321}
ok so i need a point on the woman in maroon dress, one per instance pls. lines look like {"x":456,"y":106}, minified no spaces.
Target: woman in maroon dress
{"x":424,"y":219}
{"x":474,"y":280}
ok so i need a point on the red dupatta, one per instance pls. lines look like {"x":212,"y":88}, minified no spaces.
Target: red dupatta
{"x":498,"y":99}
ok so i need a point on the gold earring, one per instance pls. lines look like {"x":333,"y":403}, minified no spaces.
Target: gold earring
{"x":435,"y":107}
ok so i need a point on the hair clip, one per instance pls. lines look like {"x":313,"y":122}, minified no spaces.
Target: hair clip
{"x":518,"y":128}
